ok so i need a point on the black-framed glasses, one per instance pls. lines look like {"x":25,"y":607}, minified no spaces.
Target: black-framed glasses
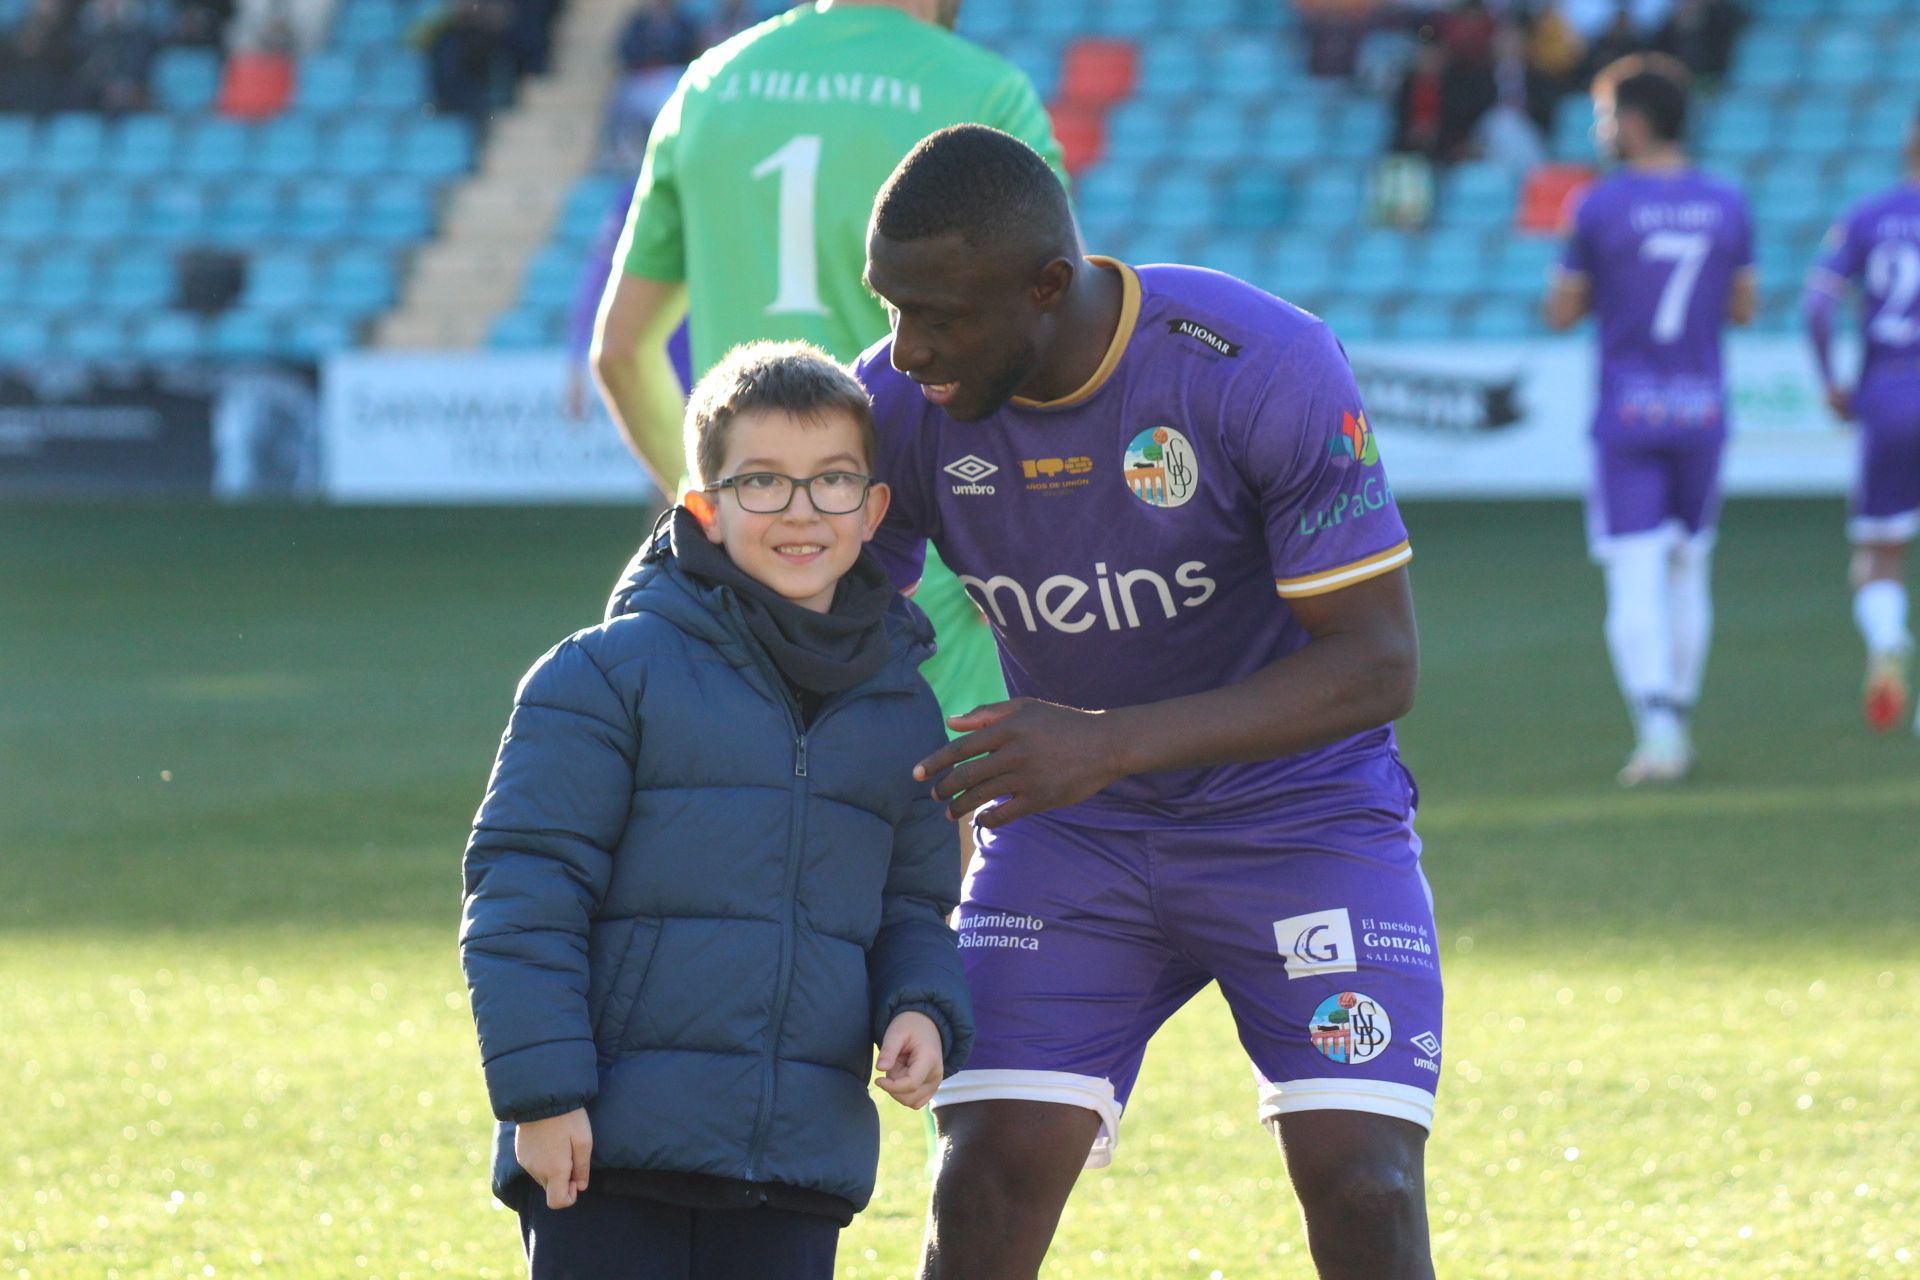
{"x":768,"y":493}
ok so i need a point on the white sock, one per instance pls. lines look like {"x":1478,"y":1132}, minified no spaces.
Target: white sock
{"x":1690,"y":614}
{"x":1880,"y":611}
{"x":1638,"y":635}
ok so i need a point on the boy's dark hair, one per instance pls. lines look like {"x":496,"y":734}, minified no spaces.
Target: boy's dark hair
{"x":1653,"y":86}
{"x":984,"y":185}
{"x":796,"y":378}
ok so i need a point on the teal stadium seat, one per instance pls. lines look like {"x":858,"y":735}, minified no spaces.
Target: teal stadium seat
{"x":287,"y":147}
{"x":368,"y":24}
{"x":142,"y":145}
{"x":1171,"y":69}
{"x":168,"y":335}
{"x":24,"y":337}
{"x":279,"y":281}
{"x":1378,"y":264}
{"x":435,"y":148}
{"x":400,"y":211}
{"x":1902,"y":64}
{"x":317,"y":336}
{"x":1236,"y":254}
{"x":1844,"y":58}
{"x":325,"y":82}
{"x":1181,"y":198}
{"x":1039,"y":57}
{"x":1769,"y":59}
{"x":245,"y":334}
{"x":590,"y":199}
{"x":551,"y":278}
{"x":1133,"y":19}
{"x":1740,"y":126}
{"x":100,"y":213}
{"x":1885,"y":119}
{"x":1109,"y":191}
{"x":175,"y":210}
{"x":1477,"y":195}
{"x":521,"y":329}
{"x":322,"y":210}
{"x":248,"y":211}
{"x":1452,"y":262}
{"x":392,"y":81}
{"x":1573,"y":132}
{"x":1500,"y":318}
{"x":1352,"y":320}
{"x":1522,"y":265}
{"x":1817,"y":127}
{"x":1214,"y":133}
{"x":185,"y":80}
{"x":60,"y":280}
{"x":1288,"y":132}
{"x":1358,"y":129}
{"x":29,"y":210}
{"x":138,"y":281}
{"x":1256,"y":198}
{"x":216,"y":148}
{"x":1865,"y":175}
{"x":71,"y":143}
{"x":16,"y":144}
{"x":1140,"y":131}
{"x":1422,"y":319}
{"x":1249,"y":71}
{"x":988,"y":21}
{"x":1059,"y":19}
{"x":94,"y":337}
{"x":359,"y":146}
{"x":357,"y":282}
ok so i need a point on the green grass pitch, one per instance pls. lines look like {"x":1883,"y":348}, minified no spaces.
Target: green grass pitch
{"x":241,"y":748}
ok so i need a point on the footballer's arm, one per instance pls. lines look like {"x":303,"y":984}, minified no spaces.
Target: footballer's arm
{"x":1743,"y":298}
{"x":635,"y":375}
{"x":1358,"y":673}
{"x":1568,"y":299}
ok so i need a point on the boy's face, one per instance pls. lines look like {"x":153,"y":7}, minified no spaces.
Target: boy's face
{"x":799,"y":552}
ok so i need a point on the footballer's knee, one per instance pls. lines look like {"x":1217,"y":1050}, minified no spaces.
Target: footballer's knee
{"x":1006,"y":1169}
{"x":1360,"y":1180}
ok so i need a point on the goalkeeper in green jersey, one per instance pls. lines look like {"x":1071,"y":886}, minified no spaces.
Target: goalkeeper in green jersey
{"x":751,"y":219}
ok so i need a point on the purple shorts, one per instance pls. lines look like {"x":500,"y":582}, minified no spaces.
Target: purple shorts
{"x":1080,"y":942}
{"x":1886,"y":489}
{"x":1642,"y":487}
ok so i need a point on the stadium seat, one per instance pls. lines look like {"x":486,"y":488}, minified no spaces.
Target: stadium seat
{"x":395,"y":81}
{"x":519,"y":330}
{"x":245,"y":334}
{"x":71,"y":143}
{"x":24,"y":337}
{"x":137,"y":281}
{"x":317,"y":336}
{"x":1817,"y":127}
{"x":1171,"y":70}
{"x":1180,"y":198}
{"x":435,"y":148}
{"x":1140,"y":131}
{"x":1421,"y":320}
{"x":248,"y":211}
{"x":167,"y":335}
{"x":1039,"y":57}
{"x":323,"y":210}
{"x":16,"y":143}
{"x":1058,"y":18}
{"x":357,"y":282}
{"x":216,"y":148}
{"x":1098,"y":72}
{"x":142,"y":145}
{"x":369,"y":24}
{"x":287,"y":148}
{"x":1352,"y":320}
{"x":1501,"y":318}
{"x":29,"y":211}
{"x":1331,"y":198}
{"x":99,"y":213}
{"x":1287,"y":132}
{"x":59,"y":280}
{"x":1573,"y":132}
{"x":1081,"y":134}
{"x":1236,"y":255}
{"x":399,"y":212}
{"x":185,"y":80}
{"x":1477,"y":195}
{"x":1523,"y":264}
{"x":174,"y":210}
{"x":1214,"y":133}
{"x":988,"y":21}
{"x":1248,"y":71}
{"x":358,"y":146}
{"x":1549,"y":196}
{"x":325,"y":82}
{"x":1359,"y":129}
{"x":94,"y":337}
{"x":279,"y":281}
{"x":1136,"y":18}
{"x":552,"y":277}
{"x":1256,"y":198}
{"x":256,"y":86}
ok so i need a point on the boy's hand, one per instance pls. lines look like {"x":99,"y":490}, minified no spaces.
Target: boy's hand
{"x":558,"y":1150}
{"x":911,"y":1062}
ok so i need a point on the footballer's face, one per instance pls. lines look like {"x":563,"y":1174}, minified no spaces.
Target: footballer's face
{"x":969,"y":325}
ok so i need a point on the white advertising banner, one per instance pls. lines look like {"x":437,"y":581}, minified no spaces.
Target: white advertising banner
{"x":1510,"y":419}
{"x":481,"y":426}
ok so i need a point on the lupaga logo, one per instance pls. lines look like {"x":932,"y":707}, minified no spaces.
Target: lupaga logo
{"x":1356,"y":440}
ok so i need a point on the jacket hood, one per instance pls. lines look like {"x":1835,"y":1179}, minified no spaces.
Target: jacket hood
{"x":653,"y":582}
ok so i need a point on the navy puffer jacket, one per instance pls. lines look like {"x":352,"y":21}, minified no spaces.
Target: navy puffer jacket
{"x":695,"y":918}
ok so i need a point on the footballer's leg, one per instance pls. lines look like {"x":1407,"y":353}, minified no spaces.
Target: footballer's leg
{"x":1883,"y":517}
{"x":1320,"y":932}
{"x":1070,"y":975}
{"x":1631,"y":538}
{"x":1695,"y":493}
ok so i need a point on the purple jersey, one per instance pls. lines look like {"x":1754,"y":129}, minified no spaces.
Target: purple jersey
{"x":1877,"y":247}
{"x":1139,"y":539}
{"x":1660,"y":253}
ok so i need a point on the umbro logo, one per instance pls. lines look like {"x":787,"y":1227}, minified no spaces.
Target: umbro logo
{"x":970,"y":471}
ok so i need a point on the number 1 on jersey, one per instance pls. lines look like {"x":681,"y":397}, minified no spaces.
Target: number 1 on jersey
{"x":798,"y":164}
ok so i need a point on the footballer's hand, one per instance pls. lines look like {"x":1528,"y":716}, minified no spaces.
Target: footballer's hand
{"x":911,"y":1063}
{"x":1840,"y":400}
{"x":557,"y":1152}
{"x":1030,"y":755}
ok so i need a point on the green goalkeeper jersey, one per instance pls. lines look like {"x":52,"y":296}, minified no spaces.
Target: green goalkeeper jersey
{"x":761,"y":171}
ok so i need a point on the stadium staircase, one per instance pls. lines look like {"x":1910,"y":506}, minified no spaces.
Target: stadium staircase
{"x":500,"y":216}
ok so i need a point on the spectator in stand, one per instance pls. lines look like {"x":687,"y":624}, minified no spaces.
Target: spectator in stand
{"x":1335,"y":30}
{"x":469,"y":61}
{"x":1594,"y":18}
{"x":733,"y":17}
{"x":281,"y":26}
{"x":1700,"y":33}
{"x":655,"y":48}
{"x":200,"y":23}
{"x":1617,"y":41}
{"x":1468,"y":32}
{"x":116,"y":46}
{"x":1554,"y":47}
{"x":37,"y":62}
{"x":1513,"y":132}
{"x":1439,"y":102}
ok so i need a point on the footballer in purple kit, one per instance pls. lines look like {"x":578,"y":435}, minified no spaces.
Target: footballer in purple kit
{"x":1876,"y":247}
{"x":1160,"y":487}
{"x":1662,"y":255}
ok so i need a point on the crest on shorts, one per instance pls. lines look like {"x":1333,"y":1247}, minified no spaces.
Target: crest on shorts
{"x":1350,"y":1028}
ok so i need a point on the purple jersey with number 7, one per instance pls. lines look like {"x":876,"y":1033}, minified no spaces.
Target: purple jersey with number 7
{"x":1660,"y":252}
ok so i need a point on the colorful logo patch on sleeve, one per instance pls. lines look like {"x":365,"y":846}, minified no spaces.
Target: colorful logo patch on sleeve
{"x":1355,"y":440}
{"x":1350,"y":1028}
{"x":1160,"y":468}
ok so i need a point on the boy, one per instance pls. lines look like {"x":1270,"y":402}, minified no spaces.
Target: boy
{"x":703,"y":882}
